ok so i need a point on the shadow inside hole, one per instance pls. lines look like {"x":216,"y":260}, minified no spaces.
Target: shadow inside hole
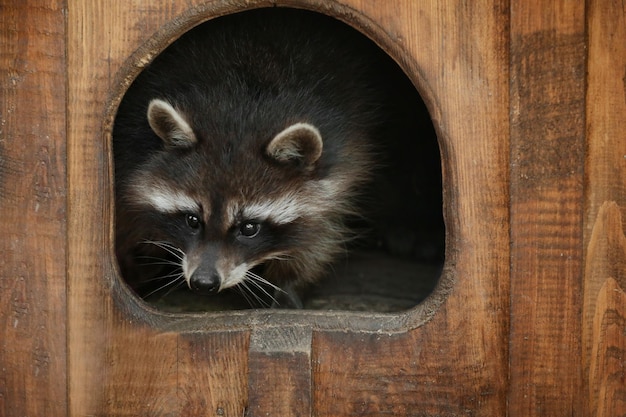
{"x":395,"y":259}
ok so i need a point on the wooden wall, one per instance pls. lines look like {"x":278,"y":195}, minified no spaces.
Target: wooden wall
{"x":33,"y":209}
{"x":529,"y":100}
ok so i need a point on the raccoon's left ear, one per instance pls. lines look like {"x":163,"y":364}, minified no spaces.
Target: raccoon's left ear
{"x":300,"y":143}
{"x":170,"y":125}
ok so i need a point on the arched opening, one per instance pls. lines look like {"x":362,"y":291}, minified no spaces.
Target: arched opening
{"x":271,"y":137}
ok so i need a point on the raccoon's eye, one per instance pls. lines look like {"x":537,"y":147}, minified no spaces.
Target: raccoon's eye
{"x":249,"y":229}
{"x":192,"y":220}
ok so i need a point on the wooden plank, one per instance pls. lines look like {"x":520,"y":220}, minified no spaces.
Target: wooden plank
{"x":416,"y":374}
{"x":605,"y":170}
{"x":32,"y":207}
{"x":608,"y":357}
{"x":279,"y":381}
{"x":138,"y":379}
{"x":187,"y":374}
{"x":606,"y":108}
{"x":123,"y":358}
{"x":606,"y":368}
{"x":547,"y":151}
{"x":604,"y":312}
{"x":213,"y":372}
{"x":456,"y":363}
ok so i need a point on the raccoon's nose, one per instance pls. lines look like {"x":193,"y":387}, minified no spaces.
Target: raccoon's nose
{"x":205,"y":284}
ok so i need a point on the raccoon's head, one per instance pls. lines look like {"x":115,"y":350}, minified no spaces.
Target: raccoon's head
{"x":220,"y":222}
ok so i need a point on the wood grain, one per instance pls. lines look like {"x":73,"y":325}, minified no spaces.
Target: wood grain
{"x":604,"y":315}
{"x":604,"y":354}
{"x":605,"y":168}
{"x":33,"y":209}
{"x":279,"y":377}
{"x":607,"y":377}
{"x":547,"y":151}
{"x":443,"y":373}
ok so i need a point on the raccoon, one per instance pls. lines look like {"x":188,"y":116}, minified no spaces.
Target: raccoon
{"x":241,"y":151}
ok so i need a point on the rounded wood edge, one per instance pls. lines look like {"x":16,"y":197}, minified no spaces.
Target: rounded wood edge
{"x":369,"y":322}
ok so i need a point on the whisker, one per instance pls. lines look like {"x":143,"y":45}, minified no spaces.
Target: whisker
{"x":262,"y":284}
{"x":172,"y":282}
{"x":263,"y":290}
{"x":281,"y":257}
{"x":247,"y":292}
{"x":257,"y":277}
{"x":158,"y":258}
{"x":244,"y":287}
{"x":181,"y":282}
{"x":168,"y":247}
{"x":163,"y":262}
{"x":243,"y":293}
{"x":173,"y":274}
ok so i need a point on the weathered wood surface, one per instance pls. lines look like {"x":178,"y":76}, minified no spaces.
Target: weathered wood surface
{"x":526,"y":324}
{"x":604,"y":312}
{"x":605,"y":168}
{"x":279,"y":372}
{"x":604,"y":300}
{"x":547,"y":151}
{"x":32,"y":209}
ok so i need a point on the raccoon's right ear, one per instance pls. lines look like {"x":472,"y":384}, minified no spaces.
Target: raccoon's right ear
{"x":170,"y":125}
{"x":300,"y":143}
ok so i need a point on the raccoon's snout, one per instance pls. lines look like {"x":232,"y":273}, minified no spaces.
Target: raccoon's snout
{"x":201,"y":273}
{"x":205,"y":283}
